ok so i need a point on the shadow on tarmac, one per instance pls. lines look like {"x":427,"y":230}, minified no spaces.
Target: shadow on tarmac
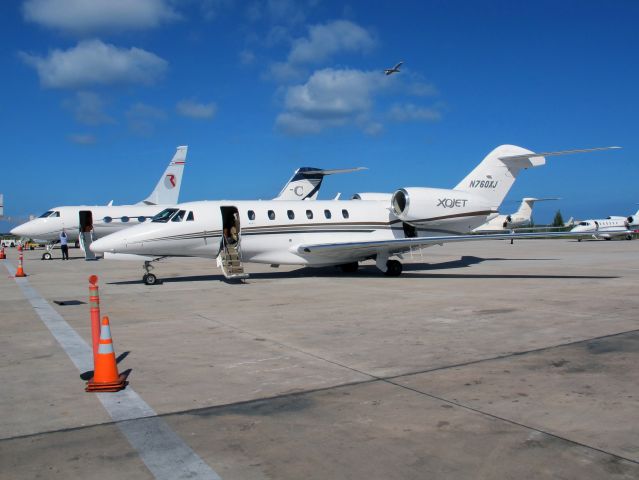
{"x":411,"y":270}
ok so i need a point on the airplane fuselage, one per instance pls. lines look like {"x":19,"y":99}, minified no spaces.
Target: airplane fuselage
{"x":271,"y":231}
{"x":105,"y":220}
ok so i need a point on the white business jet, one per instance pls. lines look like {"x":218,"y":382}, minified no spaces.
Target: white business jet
{"x":99,"y":220}
{"x":608,"y":227}
{"x":334,"y":232}
{"x":520,"y":219}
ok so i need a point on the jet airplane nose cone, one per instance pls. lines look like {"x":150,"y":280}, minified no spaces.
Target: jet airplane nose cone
{"x":106,"y":244}
{"x":17,"y":231}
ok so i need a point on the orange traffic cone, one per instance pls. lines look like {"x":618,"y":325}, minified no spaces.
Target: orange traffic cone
{"x":20,"y":270}
{"x":2,"y":254}
{"x":105,"y":371}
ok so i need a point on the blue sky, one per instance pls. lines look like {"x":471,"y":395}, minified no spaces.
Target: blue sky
{"x":97,"y":95}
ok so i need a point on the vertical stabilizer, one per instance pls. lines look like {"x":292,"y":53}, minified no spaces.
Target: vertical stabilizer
{"x":1,"y":205}
{"x":495,"y":175}
{"x":167,"y":191}
{"x":306,"y":182}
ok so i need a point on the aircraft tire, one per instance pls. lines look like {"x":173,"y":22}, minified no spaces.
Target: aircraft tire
{"x":628,"y":237}
{"x":393,"y":268}
{"x":46,"y":256}
{"x":349,"y":267}
{"x":608,"y":238}
{"x":149,"y":279}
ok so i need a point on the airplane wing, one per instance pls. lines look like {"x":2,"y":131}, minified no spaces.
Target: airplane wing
{"x":392,"y":247}
{"x":396,"y":67}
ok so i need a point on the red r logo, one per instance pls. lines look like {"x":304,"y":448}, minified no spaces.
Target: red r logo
{"x":171,"y":179}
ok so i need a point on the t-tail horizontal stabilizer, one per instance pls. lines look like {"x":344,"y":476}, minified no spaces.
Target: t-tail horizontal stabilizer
{"x":306,"y":182}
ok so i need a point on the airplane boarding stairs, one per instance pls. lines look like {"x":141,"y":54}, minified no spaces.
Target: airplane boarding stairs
{"x":86,"y":239}
{"x":230,"y":261}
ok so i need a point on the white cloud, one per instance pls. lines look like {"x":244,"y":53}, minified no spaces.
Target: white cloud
{"x":409,"y":112}
{"x":189,"y":108}
{"x":93,"y":62}
{"x":88,"y":108}
{"x":142,"y":118}
{"x":329,"y":39}
{"x":83,"y":139}
{"x":247,"y":57}
{"x":94,"y":16}
{"x":331,"y":98}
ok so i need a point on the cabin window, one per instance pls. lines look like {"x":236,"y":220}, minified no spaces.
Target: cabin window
{"x":141,"y":219}
{"x":327,"y":214}
{"x":107,"y":220}
{"x":345,"y":213}
{"x":190,"y":217}
{"x":164,"y":215}
{"x":291,"y":214}
{"x":271,"y":215}
{"x":124,"y":219}
{"x":179,"y":216}
{"x":46,"y":214}
{"x":251,"y":215}
{"x":309,"y":214}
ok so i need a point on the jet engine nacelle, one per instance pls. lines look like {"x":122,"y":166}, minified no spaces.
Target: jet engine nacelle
{"x":416,"y":205}
{"x":632,"y":219}
{"x":372,"y":196}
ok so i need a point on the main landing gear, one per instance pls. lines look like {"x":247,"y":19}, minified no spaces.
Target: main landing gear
{"x":349,"y":267}
{"x":393,"y":268}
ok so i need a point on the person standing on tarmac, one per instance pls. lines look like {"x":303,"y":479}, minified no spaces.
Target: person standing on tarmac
{"x":64,"y":241}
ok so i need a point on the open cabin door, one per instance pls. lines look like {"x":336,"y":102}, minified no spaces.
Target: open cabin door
{"x":230,"y":256}
{"x":85,"y":235}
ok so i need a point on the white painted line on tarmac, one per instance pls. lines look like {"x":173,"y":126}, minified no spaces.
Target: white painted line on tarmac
{"x":163,"y":452}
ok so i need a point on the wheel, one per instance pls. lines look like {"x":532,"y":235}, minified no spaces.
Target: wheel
{"x":149,"y":279}
{"x":349,"y":267}
{"x":579,"y":239}
{"x":46,"y":256}
{"x":608,"y":238}
{"x":628,"y":237}
{"x":393,"y":268}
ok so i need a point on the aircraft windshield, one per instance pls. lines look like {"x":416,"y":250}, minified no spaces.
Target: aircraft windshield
{"x":584,"y":224}
{"x":46,"y":214}
{"x":164,"y":215}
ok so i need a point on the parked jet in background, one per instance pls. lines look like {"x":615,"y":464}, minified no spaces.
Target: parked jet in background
{"x":306,"y":182}
{"x":520,"y":219}
{"x":99,"y":220}
{"x":395,"y":69}
{"x":323,"y":233}
{"x":609,"y":227}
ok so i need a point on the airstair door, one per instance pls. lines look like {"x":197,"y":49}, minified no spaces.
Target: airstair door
{"x":230,"y":256}
{"x":86,"y":233}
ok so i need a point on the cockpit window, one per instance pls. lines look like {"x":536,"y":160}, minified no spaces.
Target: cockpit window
{"x":164,"y":215}
{"x":55,"y":214}
{"x":46,"y":214}
{"x":584,"y":224}
{"x":190,"y":217}
{"x":178,"y":217}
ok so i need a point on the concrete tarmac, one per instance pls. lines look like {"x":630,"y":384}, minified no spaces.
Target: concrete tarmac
{"x":483,"y":360}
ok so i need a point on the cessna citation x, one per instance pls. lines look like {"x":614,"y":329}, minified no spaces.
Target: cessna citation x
{"x":84,"y":223}
{"x":323,"y":233}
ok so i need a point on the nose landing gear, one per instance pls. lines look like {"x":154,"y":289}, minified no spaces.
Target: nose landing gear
{"x":149,"y":278}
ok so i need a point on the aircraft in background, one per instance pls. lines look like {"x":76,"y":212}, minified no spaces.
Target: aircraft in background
{"x":608,"y":227}
{"x":84,"y":223}
{"x":306,"y":182}
{"x":520,"y":219}
{"x":395,"y":69}
{"x":338,"y":232}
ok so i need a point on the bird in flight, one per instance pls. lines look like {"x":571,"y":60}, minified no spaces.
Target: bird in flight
{"x":395,"y":69}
